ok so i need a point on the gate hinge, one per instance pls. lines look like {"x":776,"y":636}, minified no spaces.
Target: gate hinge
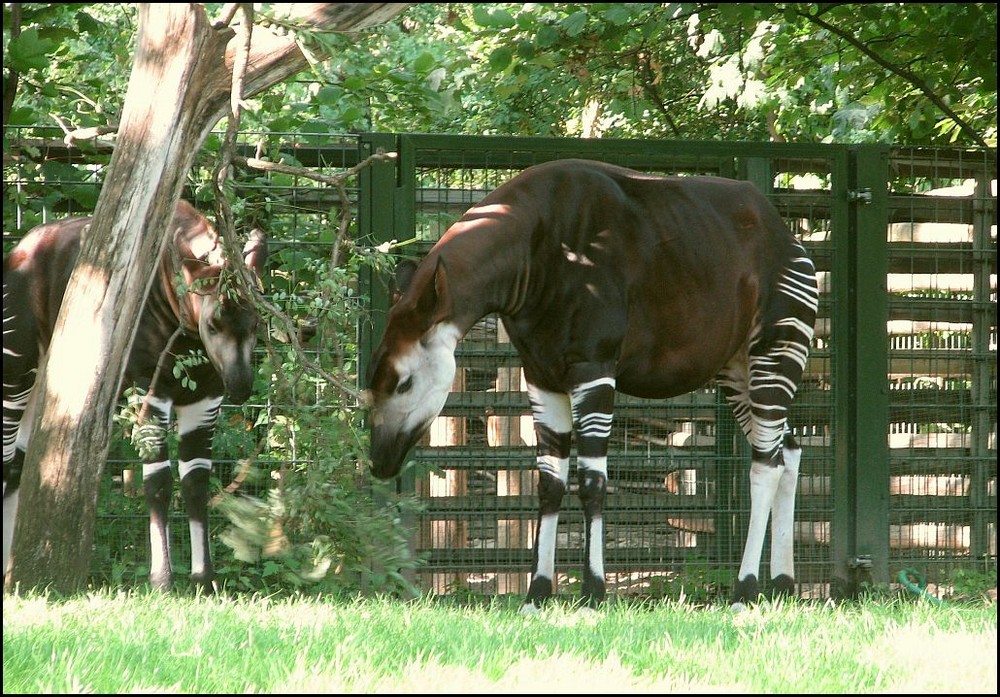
{"x":860,"y":196}
{"x":860,"y":562}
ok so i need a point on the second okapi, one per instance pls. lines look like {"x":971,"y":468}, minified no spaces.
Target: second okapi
{"x":610,"y":279}
{"x":187,"y":311}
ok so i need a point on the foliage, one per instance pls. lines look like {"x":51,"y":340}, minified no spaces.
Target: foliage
{"x":301,"y":513}
{"x":902,"y":73}
{"x":974,"y":583}
{"x":322,"y":524}
{"x":905,"y":73}
{"x":73,"y":62}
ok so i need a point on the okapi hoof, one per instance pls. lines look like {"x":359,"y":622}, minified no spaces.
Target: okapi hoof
{"x":539,"y":592}
{"x":203,"y":585}
{"x":747,"y":592}
{"x":529,"y":610}
{"x":782,"y":586}
{"x":161,"y":582}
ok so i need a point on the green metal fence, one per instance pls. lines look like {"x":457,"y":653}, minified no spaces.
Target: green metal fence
{"x":897,"y":413}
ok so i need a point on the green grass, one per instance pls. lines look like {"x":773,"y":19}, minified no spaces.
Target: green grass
{"x":148,"y":642}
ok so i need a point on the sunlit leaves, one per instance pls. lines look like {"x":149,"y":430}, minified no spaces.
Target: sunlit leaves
{"x":700,"y":71}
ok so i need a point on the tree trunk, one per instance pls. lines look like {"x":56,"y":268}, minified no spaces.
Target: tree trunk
{"x":178,"y":91}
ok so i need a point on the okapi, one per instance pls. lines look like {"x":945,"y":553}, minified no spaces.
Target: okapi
{"x":610,"y":279}
{"x":187,"y":311}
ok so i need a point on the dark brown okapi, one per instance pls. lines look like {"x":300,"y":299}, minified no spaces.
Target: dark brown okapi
{"x":610,"y":279}
{"x":187,"y":312}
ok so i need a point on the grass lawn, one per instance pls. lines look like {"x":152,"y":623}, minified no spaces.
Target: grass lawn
{"x":149,"y":642}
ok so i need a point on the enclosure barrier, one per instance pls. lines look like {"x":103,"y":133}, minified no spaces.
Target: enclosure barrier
{"x":897,"y":412}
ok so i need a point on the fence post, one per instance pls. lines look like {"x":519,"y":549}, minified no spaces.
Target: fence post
{"x":868,"y":348}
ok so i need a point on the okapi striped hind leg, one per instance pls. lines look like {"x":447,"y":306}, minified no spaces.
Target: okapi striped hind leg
{"x":759,"y":385}
{"x":21,"y":356}
{"x":593,"y":409}
{"x":773,"y":481}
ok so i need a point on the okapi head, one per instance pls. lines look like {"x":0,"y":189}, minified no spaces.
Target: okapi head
{"x":213,"y":303}
{"x":413,"y":367}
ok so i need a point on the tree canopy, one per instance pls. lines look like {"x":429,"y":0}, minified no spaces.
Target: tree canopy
{"x":905,"y":73}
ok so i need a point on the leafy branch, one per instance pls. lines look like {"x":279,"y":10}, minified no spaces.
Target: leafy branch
{"x":907,"y":75}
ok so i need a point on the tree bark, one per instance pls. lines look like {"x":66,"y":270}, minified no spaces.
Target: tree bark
{"x":178,"y":91}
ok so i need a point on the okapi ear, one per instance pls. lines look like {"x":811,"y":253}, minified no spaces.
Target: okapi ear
{"x":442,"y":308}
{"x":401,"y":279}
{"x":198,"y":275}
{"x":255,"y":251}
{"x":433,"y":302}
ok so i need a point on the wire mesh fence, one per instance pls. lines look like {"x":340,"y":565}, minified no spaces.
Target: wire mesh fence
{"x":678,"y":497}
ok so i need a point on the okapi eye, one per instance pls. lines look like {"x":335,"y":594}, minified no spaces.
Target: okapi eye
{"x":404,"y":386}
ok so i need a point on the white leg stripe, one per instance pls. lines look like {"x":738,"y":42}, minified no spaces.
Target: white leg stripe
{"x":199,"y":555}
{"x":597,"y":546}
{"x":554,"y":466}
{"x":9,"y":517}
{"x":547,"y":545}
{"x":763,"y":485}
{"x":186,"y":466}
{"x":594,"y":464}
{"x":783,"y":517}
{"x":551,"y":409}
{"x":585,"y":387}
{"x":158,"y":546}
{"x":151,"y":468}
{"x":198,"y":415}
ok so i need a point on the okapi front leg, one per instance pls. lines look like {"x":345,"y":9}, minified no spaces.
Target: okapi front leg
{"x":20,"y":360}
{"x":553,"y":431}
{"x":158,"y":487}
{"x":593,"y":409}
{"x":196,"y":424}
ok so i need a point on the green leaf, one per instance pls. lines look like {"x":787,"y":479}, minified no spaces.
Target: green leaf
{"x":547,"y":36}
{"x":502,"y":18}
{"x":23,"y":116}
{"x":619,"y":13}
{"x":87,"y":23}
{"x":329,"y":95}
{"x":498,"y":18}
{"x":525,"y":49}
{"x":575,"y":23}
{"x":501,"y":58}
{"x":351,"y":114}
{"x":83,"y":194}
{"x":354,"y":83}
{"x":28,"y":51}
{"x":424,"y":62}
{"x":481,"y":15}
